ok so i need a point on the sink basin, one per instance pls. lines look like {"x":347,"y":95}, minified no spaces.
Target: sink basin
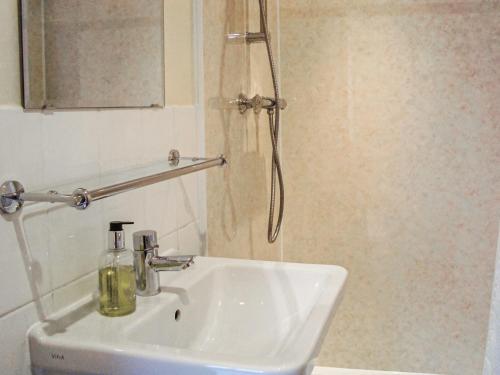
{"x":221,"y":316}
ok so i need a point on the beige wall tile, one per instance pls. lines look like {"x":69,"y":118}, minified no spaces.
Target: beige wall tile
{"x":179,"y":53}
{"x":391,"y":151}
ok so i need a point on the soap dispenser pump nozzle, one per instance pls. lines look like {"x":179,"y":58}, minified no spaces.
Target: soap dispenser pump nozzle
{"x":116,"y":235}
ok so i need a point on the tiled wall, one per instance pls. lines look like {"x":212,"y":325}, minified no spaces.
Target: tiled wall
{"x":59,"y":258}
{"x":49,"y":253}
{"x":391,"y":149}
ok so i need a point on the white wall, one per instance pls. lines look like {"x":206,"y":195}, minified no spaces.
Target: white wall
{"x":492,"y":360}
{"x":49,"y":254}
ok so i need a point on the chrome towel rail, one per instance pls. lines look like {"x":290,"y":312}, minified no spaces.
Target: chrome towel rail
{"x":13,"y":196}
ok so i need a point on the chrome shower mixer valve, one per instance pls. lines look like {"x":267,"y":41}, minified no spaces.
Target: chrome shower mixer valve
{"x":258,"y":103}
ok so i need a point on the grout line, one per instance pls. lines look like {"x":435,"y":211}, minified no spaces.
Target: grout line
{"x":73,"y":281}
{"x":178,"y":228}
{"x":13,"y":310}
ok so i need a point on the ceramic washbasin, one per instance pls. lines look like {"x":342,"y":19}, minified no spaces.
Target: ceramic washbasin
{"x":221,"y":316}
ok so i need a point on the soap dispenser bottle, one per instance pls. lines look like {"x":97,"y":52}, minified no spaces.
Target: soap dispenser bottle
{"x":116,"y":274}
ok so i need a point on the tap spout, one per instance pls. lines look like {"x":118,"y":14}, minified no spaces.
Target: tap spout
{"x":171,"y":263}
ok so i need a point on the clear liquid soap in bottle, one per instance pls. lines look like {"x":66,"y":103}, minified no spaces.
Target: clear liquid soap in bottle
{"x":116,"y":274}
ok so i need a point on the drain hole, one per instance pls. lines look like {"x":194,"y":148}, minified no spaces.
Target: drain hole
{"x":177,"y":315}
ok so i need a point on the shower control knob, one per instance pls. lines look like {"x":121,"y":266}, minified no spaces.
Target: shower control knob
{"x":257,"y":104}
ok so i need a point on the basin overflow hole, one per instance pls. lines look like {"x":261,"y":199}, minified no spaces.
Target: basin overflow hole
{"x":177,"y":315}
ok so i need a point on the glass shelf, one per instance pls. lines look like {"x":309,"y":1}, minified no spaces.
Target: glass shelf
{"x":81,"y":194}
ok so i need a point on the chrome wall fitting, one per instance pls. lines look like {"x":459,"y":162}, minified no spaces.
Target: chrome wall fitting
{"x":256,"y":37}
{"x":248,"y":38}
{"x":174,"y":157}
{"x":82,"y":199}
{"x":257,"y":103}
{"x":10,"y":197}
{"x":13,"y":196}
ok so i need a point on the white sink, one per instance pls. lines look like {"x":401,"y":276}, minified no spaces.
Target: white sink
{"x":233,"y":317}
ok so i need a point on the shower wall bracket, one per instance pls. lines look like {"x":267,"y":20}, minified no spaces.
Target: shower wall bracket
{"x":255,"y":37}
{"x":13,"y":195}
{"x":247,"y":37}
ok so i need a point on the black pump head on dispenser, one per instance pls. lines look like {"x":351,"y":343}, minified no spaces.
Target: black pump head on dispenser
{"x":116,"y":226}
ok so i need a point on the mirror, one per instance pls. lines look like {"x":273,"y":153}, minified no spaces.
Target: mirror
{"x":93,"y":53}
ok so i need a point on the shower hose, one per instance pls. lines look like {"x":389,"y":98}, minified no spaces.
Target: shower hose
{"x":274,"y":128}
